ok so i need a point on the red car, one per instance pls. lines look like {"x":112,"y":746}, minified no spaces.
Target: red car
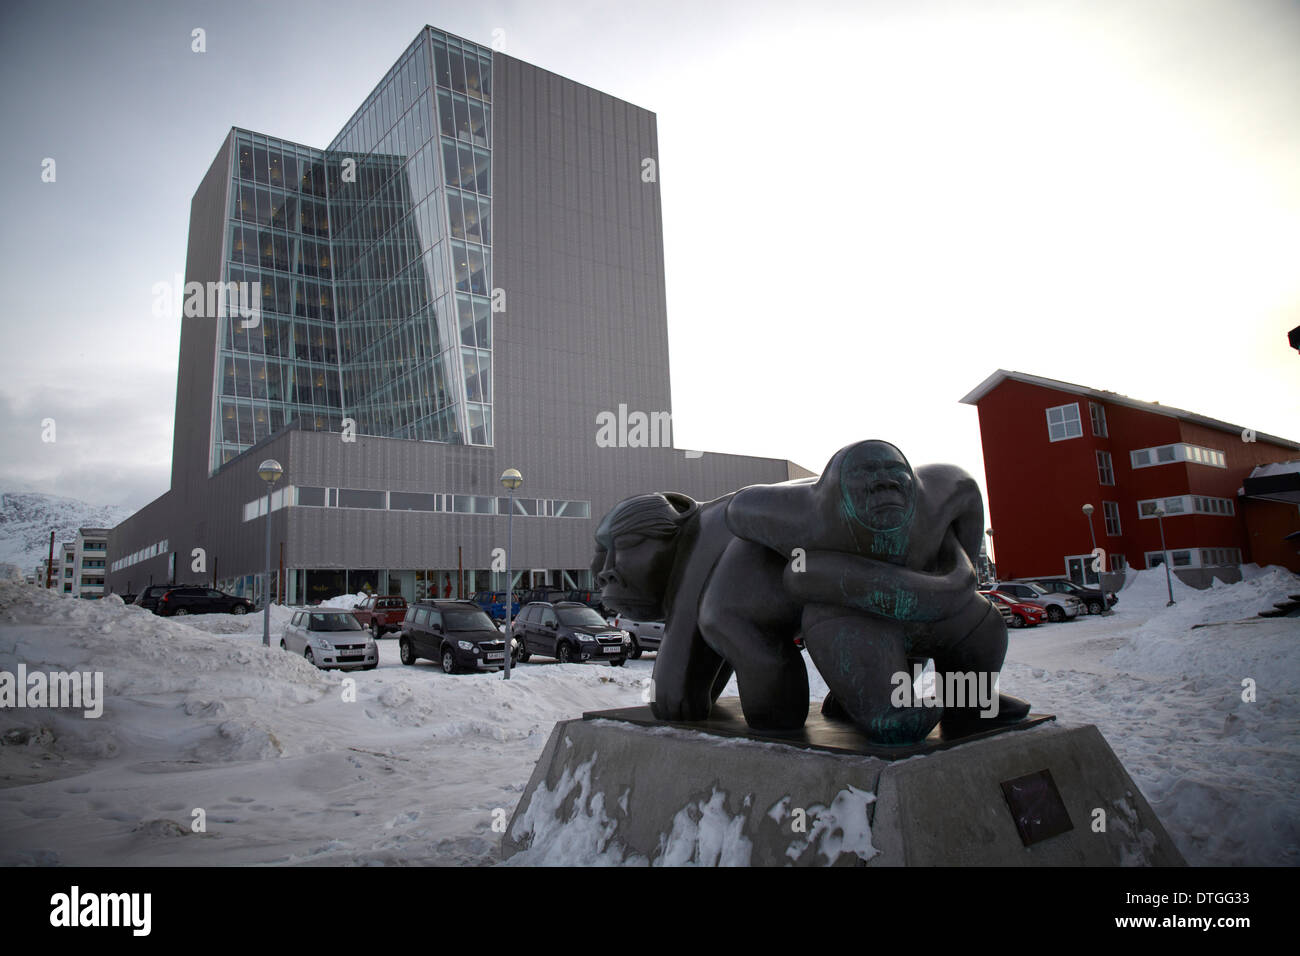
{"x":381,"y":614}
{"x":1023,"y":613}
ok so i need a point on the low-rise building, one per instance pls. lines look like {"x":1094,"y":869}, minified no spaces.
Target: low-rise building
{"x":1051,"y":447}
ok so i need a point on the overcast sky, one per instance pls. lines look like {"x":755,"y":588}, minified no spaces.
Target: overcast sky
{"x":868,"y":206}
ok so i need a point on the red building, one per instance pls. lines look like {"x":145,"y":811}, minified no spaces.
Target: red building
{"x":1050,"y":447}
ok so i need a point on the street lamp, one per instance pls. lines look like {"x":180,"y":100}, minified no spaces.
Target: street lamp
{"x":1160,"y":519}
{"x":270,"y":472}
{"x":1088,"y":510}
{"x":511,"y":479}
{"x":993,"y":567}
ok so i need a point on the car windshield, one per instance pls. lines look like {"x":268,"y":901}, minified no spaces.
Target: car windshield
{"x":333,"y":622}
{"x":580,"y":617}
{"x":466,"y":620}
{"x":1037,"y":589}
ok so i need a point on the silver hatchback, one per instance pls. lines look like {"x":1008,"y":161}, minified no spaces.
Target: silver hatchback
{"x":330,"y":638}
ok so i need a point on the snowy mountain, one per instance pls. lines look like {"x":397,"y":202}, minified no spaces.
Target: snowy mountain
{"x":27,"y":518}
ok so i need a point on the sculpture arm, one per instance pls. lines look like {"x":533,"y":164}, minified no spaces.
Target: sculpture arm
{"x":883,"y":589}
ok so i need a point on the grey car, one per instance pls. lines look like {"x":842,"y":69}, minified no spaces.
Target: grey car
{"x":330,"y":638}
{"x":646,"y":635}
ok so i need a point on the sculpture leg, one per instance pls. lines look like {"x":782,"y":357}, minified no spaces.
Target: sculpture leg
{"x":971,"y":663}
{"x":748,"y":619}
{"x":858,"y":657}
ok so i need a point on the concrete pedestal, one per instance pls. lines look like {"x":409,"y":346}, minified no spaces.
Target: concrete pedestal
{"x":615,"y":787}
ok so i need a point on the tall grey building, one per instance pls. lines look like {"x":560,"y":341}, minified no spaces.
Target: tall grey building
{"x":468,"y":278}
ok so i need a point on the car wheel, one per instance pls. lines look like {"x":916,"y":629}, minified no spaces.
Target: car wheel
{"x":311,"y":659}
{"x":448,"y":661}
{"x":564,"y":653}
{"x":1055,"y":614}
{"x":283,"y":647}
{"x":1017,"y":621}
{"x":369,"y":667}
{"x":239,"y":609}
{"x":180,"y":611}
{"x":523,"y":656}
{"x":374,"y":630}
{"x":618,"y":663}
{"x":407,"y":652}
{"x":1094,"y":607}
{"x":635,"y":651}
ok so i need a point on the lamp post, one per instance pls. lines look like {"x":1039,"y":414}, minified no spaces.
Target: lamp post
{"x":993,"y":566}
{"x":270,"y":472}
{"x":1087,"y":510}
{"x":1169,"y":583}
{"x":511,"y":479}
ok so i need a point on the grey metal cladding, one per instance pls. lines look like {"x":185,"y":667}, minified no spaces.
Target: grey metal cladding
{"x":578,"y":250}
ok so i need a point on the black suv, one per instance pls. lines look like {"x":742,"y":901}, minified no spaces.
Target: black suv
{"x":148,"y":598}
{"x":197,"y":600}
{"x":455,"y":633}
{"x":569,"y":632}
{"x":1091,"y":597}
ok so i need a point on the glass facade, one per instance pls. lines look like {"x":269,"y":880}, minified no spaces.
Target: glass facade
{"x":374,"y":258}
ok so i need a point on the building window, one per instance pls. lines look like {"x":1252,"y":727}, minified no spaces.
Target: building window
{"x":1187,"y":504}
{"x":1166,"y":454}
{"x":1098,"y":414}
{"x":1170,"y":506}
{"x":1118,"y":562}
{"x":1105,"y":468}
{"x":1111,"y":510}
{"x":1063,"y":422}
{"x":1182,"y":558}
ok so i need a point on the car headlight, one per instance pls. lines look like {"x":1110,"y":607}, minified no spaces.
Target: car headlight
{"x":587,"y":638}
{"x":321,"y":644}
{"x":465,"y":645}
{"x":627,"y":638}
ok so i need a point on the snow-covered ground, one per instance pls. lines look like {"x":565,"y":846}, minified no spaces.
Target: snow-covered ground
{"x":287,"y":769}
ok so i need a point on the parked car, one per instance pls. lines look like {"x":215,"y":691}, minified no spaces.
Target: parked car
{"x":457,"y":634}
{"x":1019,"y":613}
{"x":999,"y":606}
{"x":179,"y":601}
{"x":330,"y":638}
{"x":148,"y":598}
{"x":646,"y":635}
{"x":544,"y":595}
{"x":588,"y":597}
{"x":569,"y":632}
{"x":493,"y":603}
{"x":381,"y":614}
{"x":1060,"y":607}
{"x":1091,"y":597}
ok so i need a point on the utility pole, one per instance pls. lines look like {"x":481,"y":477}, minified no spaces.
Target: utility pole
{"x":49,"y":567}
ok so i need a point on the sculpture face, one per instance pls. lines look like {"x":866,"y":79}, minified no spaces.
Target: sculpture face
{"x":637,"y":541}
{"x":878,"y":487}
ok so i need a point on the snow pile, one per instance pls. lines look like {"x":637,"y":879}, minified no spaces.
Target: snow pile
{"x":346,"y":601}
{"x":407,"y":765}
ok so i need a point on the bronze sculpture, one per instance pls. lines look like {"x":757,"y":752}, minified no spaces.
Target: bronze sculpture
{"x":871,"y":563}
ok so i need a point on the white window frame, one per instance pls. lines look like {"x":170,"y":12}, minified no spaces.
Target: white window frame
{"x":1106,"y":468}
{"x":1182,"y":451}
{"x":1065,"y":422}
{"x":1109,"y":512}
{"x":1097,"y":414}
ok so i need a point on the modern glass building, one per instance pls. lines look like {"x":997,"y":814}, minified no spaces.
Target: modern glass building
{"x":460,"y":282}
{"x":374,"y":262}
